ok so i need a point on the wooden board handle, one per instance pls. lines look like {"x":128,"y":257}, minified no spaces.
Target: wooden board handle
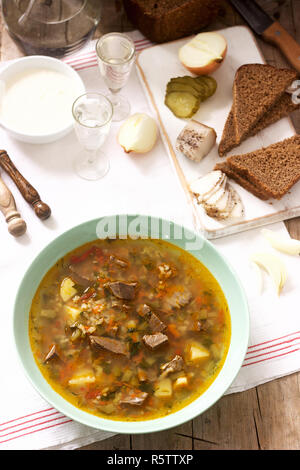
{"x":16,"y":225}
{"x":276,"y":34}
{"x":29,"y":193}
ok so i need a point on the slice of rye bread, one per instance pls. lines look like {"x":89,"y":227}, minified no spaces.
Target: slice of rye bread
{"x":252,"y":188}
{"x":275,"y":168}
{"x":256,"y":88}
{"x":282,"y":108}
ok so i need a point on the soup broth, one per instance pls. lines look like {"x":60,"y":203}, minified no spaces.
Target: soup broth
{"x":129,"y":329}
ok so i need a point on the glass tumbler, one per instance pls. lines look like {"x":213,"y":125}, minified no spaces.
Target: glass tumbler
{"x":116,"y":55}
{"x":92,"y":114}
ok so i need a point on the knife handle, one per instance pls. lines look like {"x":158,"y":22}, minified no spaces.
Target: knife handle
{"x":276,"y":34}
{"x":29,"y":193}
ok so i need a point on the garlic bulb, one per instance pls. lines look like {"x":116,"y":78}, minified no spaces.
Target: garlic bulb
{"x":138,"y":133}
{"x":280,"y":243}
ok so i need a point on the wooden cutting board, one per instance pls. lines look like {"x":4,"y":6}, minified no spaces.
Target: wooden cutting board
{"x":156,"y":66}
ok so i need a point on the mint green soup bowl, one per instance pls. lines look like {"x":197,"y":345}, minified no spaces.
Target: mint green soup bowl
{"x":145,"y":227}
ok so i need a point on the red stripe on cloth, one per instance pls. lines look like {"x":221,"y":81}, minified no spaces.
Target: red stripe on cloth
{"x":273,"y":345}
{"x":85,"y":67}
{"x":29,"y":421}
{"x":36,"y":430}
{"x":142,"y":40}
{"x":90,"y":63}
{"x":272,"y":357}
{"x":275,"y":339}
{"x":84,"y":57}
{"x":271,"y":352}
{"x":25,"y":416}
{"x":32,"y":426}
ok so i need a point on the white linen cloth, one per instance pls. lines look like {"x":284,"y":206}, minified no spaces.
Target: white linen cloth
{"x":135,"y":184}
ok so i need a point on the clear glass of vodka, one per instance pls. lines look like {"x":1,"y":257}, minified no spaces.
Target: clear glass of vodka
{"x":116,"y":55}
{"x":92,"y":113}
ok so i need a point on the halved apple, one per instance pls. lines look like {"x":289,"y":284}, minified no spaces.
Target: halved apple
{"x":204,"y":53}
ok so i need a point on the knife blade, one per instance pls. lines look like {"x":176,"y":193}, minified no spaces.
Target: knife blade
{"x":270,"y":30}
{"x":253,"y":14}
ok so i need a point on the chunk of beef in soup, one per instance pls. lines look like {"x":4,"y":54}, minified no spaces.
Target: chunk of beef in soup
{"x":52,"y":354}
{"x":155,"y":324}
{"x":83,"y":269}
{"x":155,"y":340}
{"x":110,"y":344}
{"x":175,"y":365}
{"x":133,"y":397}
{"x":179,"y":298}
{"x":123,"y":290}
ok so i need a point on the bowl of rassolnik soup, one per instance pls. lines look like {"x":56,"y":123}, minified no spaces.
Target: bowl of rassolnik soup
{"x":131,"y":324}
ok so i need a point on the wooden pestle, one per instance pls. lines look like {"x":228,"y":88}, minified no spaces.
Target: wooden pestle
{"x":28,"y":192}
{"x":16,"y":225}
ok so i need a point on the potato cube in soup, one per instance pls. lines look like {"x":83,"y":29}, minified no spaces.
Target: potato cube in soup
{"x":67,"y":290}
{"x":181,"y":382}
{"x":72,"y":312}
{"x":196,"y":352}
{"x":163,"y":388}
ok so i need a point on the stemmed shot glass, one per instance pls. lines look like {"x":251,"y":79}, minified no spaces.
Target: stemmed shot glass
{"x":92,"y":113}
{"x":116,"y":55}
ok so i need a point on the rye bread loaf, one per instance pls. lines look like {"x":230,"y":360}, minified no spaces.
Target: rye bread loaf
{"x":273,"y":169}
{"x":166,"y":20}
{"x":282,"y":108}
{"x":256,"y":88}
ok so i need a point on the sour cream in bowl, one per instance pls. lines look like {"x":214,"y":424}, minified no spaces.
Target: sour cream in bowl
{"x":36,"y":97}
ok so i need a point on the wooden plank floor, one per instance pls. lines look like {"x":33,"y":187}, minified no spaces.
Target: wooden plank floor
{"x":265,"y":417}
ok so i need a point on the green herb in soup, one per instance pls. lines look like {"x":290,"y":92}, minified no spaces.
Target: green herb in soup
{"x":129,"y":329}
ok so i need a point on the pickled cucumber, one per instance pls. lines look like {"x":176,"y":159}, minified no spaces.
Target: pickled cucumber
{"x":175,"y":86}
{"x":182,"y":103}
{"x":187,"y":80}
{"x":210,"y":82}
{"x":184,"y":94}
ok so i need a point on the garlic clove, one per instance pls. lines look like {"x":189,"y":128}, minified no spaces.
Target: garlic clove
{"x":274,"y":267}
{"x":280,"y":243}
{"x":138,"y":133}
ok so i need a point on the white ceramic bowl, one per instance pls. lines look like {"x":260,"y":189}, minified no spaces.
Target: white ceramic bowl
{"x":41,"y":62}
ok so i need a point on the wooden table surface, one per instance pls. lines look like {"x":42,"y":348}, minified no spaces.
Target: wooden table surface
{"x":267,"y":416}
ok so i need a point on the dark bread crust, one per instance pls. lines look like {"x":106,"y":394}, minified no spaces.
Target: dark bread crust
{"x":252,"y":188}
{"x":227,"y":141}
{"x":256,"y":88}
{"x":274,"y":169}
{"x":166,"y":20}
{"x":282,"y":108}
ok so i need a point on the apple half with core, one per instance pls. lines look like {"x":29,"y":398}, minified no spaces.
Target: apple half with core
{"x":204,"y":53}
